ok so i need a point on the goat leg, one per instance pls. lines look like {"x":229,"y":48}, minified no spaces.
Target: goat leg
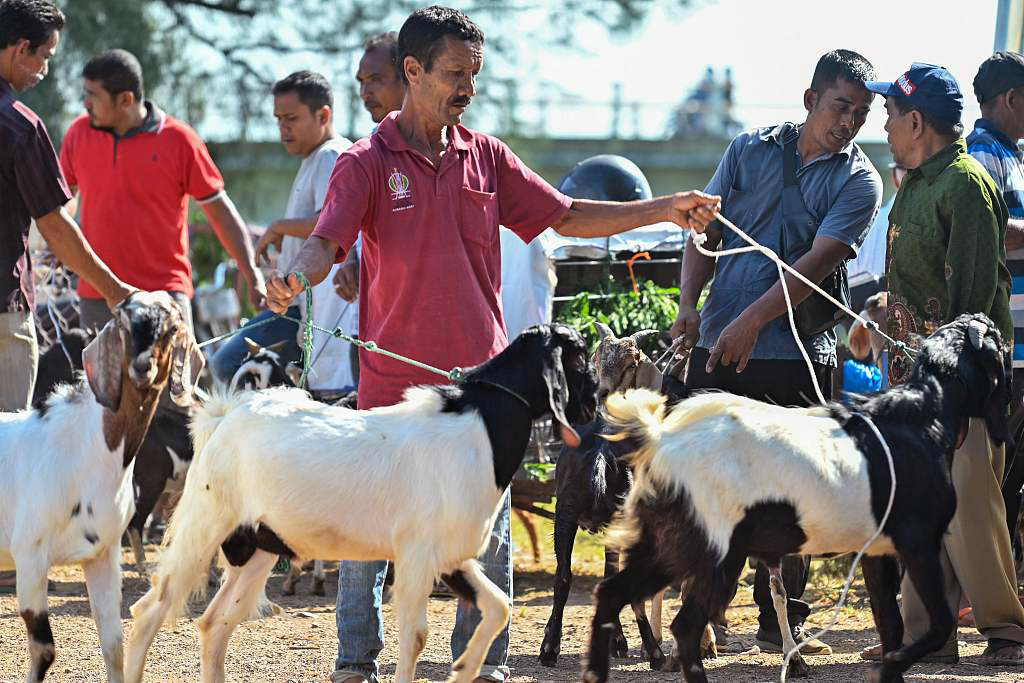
{"x":318,"y":578}
{"x":619,"y":644}
{"x":639,"y":580}
{"x":925,"y":571}
{"x":882,"y":579}
{"x":650,"y":642}
{"x":31,"y":591}
{"x":531,"y":531}
{"x":565,"y":535}
{"x":103,"y":581}
{"x":797,"y":666}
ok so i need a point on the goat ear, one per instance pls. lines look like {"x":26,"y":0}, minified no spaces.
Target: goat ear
{"x":648,"y":376}
{"x":187,"y":363}
{"x":103,"y":359}
{"x":998,"y":406}
{"x":558,"y":397}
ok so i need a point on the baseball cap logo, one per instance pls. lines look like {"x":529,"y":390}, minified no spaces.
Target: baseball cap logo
{"x":906,"y":85}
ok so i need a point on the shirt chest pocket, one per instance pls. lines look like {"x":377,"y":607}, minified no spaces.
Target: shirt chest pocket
{"x":478,"y":216}
{"x":915,"y":249}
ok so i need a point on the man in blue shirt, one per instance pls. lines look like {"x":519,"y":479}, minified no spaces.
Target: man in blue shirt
{"x":743,"y":322}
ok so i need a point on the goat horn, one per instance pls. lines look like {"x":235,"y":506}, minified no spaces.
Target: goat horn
{"x":643,"y":335}
{"x":605,"y":331}
{"x":976,"y":331}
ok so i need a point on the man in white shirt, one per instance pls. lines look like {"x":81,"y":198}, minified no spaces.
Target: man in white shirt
{"x":303,"y":103}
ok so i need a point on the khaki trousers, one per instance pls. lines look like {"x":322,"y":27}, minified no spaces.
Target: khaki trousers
{"x":976,"y":556}
{"x":19,"y":358}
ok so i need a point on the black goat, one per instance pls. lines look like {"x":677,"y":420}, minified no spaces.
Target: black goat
{"x":721,"y":478}
{"x":591,"y":483}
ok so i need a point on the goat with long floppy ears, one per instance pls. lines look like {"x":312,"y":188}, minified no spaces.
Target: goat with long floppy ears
{"x":720,"y":478}
{"x":434,"y":468}
{"x":67,"y":485}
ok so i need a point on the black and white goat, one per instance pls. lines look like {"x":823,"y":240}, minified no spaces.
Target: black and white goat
{"x":592,"y":482}
{"x":67,"y":484}
{"x":263,"y":368}
{"x":430,"y":471}
{"x":720,"y":478}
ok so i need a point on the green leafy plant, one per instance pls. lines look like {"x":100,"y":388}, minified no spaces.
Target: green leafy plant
{"x":621,"y":309}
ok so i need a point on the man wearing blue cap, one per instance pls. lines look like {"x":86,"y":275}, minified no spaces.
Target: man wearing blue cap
{"x":946,"y":257}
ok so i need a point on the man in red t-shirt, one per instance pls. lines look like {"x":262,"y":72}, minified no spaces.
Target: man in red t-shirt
{"x":428,"y":195}
{"x":136,"y":167}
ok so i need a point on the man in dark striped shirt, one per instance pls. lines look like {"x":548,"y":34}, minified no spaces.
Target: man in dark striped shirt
{"x":32,"y":187}
{"x":999,"y":87}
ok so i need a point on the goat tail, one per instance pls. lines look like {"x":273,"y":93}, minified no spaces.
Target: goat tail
{"x":208,"y":416}
{"x":636,"y":418}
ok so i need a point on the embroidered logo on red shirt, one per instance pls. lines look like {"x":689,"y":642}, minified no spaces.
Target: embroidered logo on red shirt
{"x":401,"y":195}
{"x":906,"y":85}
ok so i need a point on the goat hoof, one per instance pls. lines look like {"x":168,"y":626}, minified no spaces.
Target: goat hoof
{"x":670,"y":664}
{"x":591,"y":676}
{"x":619,"y":646}
{"x":709,"y":652}
{"x":798,"y":668}
{"x":548,"y":658}
{"x":876,"y":674}
{"x":318,"y":588}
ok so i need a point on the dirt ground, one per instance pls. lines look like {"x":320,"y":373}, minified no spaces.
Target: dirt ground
{"x":301,"y":645}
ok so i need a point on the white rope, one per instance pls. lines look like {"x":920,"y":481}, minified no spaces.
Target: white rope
{"x":698,"y":241}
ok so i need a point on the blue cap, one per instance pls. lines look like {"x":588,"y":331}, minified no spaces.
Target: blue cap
{"x":930,"y":88}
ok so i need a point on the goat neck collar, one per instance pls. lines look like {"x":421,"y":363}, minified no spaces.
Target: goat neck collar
{"x":500,"y":387}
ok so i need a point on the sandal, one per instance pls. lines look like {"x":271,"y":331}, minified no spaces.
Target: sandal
{"x":347,"y":676}
{"x":874,"y":654}
{"x":965,"y":617}
{"x":1003,"y":653}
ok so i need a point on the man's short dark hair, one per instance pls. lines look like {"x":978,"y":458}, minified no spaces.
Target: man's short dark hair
{"x":423,"y":31}
{"x":948,"y":129}
{"x":384,"y":41}
{"x":837,"y":64}
{"x":31,"y":20}
{"x":117,"y":71}
{"x":313,"y":89}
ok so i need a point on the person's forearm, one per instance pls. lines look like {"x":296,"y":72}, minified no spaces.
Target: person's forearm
{"x":697,"y":269}
{"x":589,"y":218}
{"x":824,"y":257}
{"x":1014,"y":234}
{"x":315,"y":259}
{"x":296,"y":227}
{"x":231,"y":231}
{"x":66,"y":241}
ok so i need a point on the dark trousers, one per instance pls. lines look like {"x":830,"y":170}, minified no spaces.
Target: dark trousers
{"x":786,"y":383}
{"x":1013,"y":479}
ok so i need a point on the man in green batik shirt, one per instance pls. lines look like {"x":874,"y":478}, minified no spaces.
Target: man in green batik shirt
{"x":946,"y":257}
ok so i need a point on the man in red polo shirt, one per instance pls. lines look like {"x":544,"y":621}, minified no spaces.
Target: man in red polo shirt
{"x":428,"y":196}
{"x":136,"y":167}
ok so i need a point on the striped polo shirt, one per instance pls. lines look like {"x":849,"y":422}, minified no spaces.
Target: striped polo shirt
{"x":1004,"y":162}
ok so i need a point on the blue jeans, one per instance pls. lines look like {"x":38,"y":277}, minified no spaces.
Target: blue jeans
{"x":228,"y":358}
{"x":360,"y":585}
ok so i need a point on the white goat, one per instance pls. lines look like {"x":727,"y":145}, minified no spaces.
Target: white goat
{"x":67,"y":486}
{"x":421,"y":480}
